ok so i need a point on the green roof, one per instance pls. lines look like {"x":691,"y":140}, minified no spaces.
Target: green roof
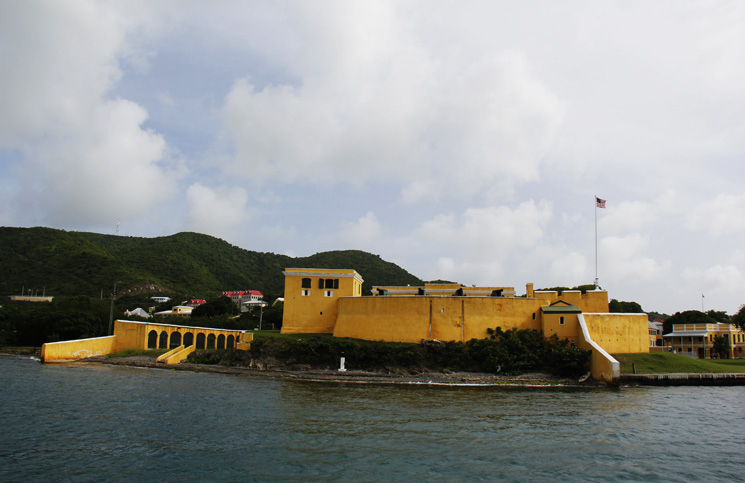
{"x":561,"y":307}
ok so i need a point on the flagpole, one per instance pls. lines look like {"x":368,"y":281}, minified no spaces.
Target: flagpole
{"x":598,"y":204}
{"x":596,"y":242}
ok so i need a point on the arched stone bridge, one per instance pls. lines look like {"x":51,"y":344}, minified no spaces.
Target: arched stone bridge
{"x":150,"y":335}
{"x":128,"y":334}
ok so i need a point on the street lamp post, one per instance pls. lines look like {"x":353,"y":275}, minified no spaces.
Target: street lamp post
{"x":111,"y":312}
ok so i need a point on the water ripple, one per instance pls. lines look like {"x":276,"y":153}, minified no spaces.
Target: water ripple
{"x":106,"y":423}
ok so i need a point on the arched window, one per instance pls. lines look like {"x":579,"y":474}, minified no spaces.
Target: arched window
{"x":163,"y":341}
{"x":188,"y":339}
{"x":211,"y":341}
{"x":231,"y":342}
{"x":305,"y":283}
{"x":561,"y":320}
{"x":152,"y":340}
{"x":200,"y":340}
{"x":221,"y":341}
{"x":175,"y":339}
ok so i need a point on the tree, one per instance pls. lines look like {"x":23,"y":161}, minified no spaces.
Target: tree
{"x":687,"y":317}
{"x":617,"y":307}
{"x":582,"y":288}
{"x":739,"y":318}
{"x":721,"y":347}
{"x":720,"y":316}
{"x":220,"y":306}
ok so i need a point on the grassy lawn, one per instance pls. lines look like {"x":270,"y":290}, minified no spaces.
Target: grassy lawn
{"x":665,"y":362}
{"x":732,"y":365}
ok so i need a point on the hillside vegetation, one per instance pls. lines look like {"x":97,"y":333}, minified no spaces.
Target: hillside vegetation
{"x":63,"y":263}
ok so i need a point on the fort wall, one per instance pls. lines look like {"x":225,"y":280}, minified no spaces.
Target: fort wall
{"x":413,"y":318}
{"x":145,"y":335}
{"x":619,"y":333}
{"x":71,"y":350}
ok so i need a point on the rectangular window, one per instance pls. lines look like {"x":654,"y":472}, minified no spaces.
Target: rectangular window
{"x":561,"y":320}
{"x":329,"y":293}
{"x":306,"y":293}
{"x":306,"y":283}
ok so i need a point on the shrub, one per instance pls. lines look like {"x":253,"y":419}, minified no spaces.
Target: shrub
{"x":505,"y":352}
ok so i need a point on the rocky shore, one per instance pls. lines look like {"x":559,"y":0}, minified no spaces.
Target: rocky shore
{"x":353,"y":376}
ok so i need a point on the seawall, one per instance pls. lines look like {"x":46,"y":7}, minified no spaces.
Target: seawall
{"x":685,"y":379}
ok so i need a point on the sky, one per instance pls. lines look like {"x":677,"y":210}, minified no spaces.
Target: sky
{"x":463,"y":140}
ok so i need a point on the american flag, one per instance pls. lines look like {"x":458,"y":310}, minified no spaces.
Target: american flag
{"x":599,"y":203}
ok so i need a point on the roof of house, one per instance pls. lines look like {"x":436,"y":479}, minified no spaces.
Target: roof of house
{"x":236,"y":293}
{"x":561,"y":307}
{"x":687,"y":333}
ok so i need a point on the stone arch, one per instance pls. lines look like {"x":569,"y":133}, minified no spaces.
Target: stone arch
{"x":152,"y":340}
{"x":163,"y":341}
{"x":230,"y":342}
{"x":211,"y":341}
{"x":189,"y":339}
{"x":221,"y":341}
{"x":200,"y":340}
{"x":175,"y":339}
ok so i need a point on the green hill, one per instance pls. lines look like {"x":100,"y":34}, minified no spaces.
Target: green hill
{"x":75,"y":263}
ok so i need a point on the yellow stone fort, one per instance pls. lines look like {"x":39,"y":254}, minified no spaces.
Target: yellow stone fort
{"x":330,"y":301}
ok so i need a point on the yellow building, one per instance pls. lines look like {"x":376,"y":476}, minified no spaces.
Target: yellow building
{"x":697,"y":340}
{"x":311,"y":296}
{"x":331,"y":302}
{"x":146,"y":335}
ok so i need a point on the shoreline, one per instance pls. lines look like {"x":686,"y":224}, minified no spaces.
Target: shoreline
{"x":356,"y":376}
{"x":454,"y":379}
{"x":351,"y":376}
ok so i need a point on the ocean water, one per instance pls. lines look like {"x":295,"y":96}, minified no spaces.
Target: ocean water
{"x":109,"y":423}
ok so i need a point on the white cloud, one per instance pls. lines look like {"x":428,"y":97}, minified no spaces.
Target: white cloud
{"x":364,"y":234}
{"x":723,"y":215}
{"x":627,"y":216}
{"x":482,"y":240}
{"x":217,"y":211}
{"x":568,"y":268}
{"x":113,"y":172}
{"x":83,"y":158}
{"x":627,"y":259}
{"x":716,"y":278}
{"x":490,"y":229}
{"x":379,"y":106}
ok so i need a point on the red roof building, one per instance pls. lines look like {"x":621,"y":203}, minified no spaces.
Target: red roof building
{"x":243,"y":297}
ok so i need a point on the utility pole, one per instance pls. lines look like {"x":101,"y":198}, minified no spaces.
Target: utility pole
{"x":111,"y":312}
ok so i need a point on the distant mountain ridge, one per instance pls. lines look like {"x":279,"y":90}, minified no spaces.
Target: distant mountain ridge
{"x":60,"y":263}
